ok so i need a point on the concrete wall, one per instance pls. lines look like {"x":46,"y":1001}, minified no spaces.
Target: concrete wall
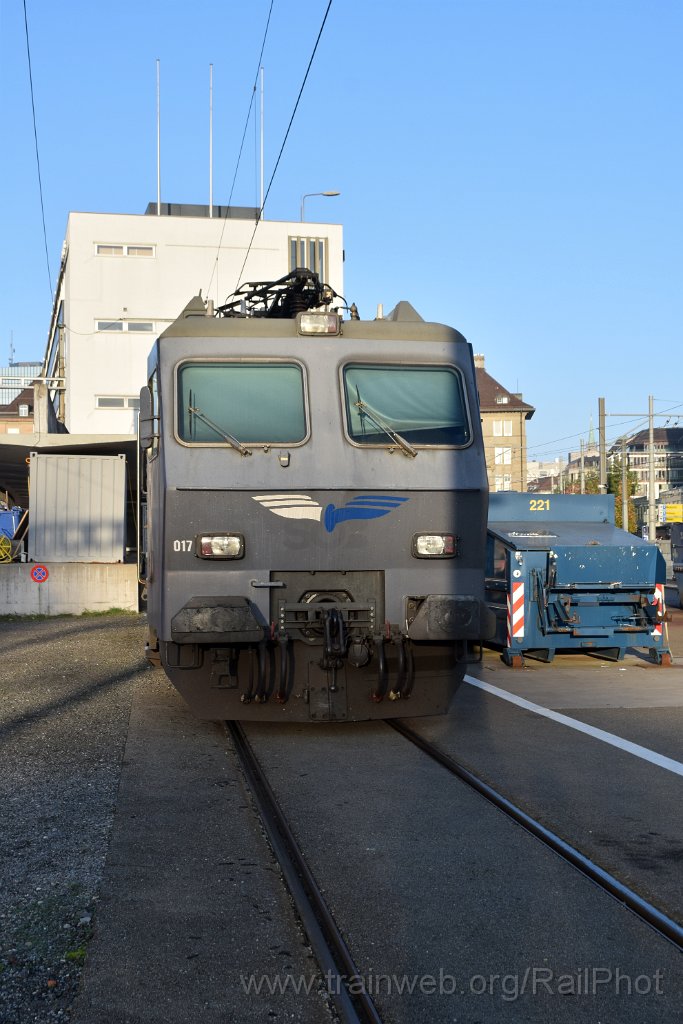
{"x":70,"y":588}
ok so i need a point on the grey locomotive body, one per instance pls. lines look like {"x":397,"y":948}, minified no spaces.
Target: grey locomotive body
{"x":316,"y":514}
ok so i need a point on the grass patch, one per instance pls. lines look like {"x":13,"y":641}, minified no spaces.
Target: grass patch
{"x":106,"y":613}
{"x":34,"y":618}
{"x":76,"y":956}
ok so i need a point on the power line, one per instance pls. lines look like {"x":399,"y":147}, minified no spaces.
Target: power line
{"x":244,"y":133}
{"x":284,"y":142}
{"x":544,"y":448}
{"x":35,"y":136}
{"x":251,"y":102}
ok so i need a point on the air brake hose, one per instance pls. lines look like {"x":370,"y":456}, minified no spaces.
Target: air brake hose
{"x":261,"y":696}
{"x":247,"y":697}
{"x":378,"y":693}
{"x":281,"y":694}
{"x":410,"y":670}
{"x":397,"y":690}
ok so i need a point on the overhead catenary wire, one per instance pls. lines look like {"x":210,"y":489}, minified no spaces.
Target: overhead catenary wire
{"x":284,"y":142}
{"x":251,"y":101}
{"x":244,"y":134}
{"x":544,"y":448}
{"x":35,"y":136}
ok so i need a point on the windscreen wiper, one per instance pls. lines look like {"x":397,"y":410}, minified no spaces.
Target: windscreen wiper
{"x":237,"y":445}
{"x":405,"y":447}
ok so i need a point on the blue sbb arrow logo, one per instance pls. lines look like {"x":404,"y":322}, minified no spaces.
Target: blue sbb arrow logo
{"x":303,"y":506}
{"x":365,"y":506}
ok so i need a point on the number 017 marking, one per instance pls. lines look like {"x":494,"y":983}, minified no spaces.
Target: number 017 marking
{"x":539,"y":505}
{"x":183,"y":545}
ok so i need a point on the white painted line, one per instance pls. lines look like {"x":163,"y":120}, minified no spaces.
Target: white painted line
{"x":599,"y":734}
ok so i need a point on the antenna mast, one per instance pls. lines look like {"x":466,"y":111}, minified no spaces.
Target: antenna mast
{"x":210,"y":140}
{"x":158,"y":141}
{"x":261,"y":200}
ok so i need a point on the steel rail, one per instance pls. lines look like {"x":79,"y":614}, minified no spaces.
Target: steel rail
{"x":327,"y":942}
{"x":666,"y":926}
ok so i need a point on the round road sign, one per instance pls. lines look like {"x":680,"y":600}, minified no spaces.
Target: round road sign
{"x":39,"y":573}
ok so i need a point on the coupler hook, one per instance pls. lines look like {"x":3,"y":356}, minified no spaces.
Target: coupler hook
{"x":336,"y":639}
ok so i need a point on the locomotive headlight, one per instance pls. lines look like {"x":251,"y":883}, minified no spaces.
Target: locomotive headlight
{"x":220,"y":545}
{"x":319,"y":323}
{"x":434,"y":545}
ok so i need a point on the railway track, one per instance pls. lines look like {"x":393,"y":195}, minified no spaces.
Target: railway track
{"x":328,"y":945}
{"x":333,"y":955}
{"x":645,"y":911}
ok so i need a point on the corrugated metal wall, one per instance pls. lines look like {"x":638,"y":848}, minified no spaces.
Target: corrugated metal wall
{"x":77,"y":508}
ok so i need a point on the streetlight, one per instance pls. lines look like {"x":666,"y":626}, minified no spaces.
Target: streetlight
{"x":309,"y":194}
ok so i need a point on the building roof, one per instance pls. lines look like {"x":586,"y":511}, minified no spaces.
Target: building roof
{"x":15,"y":451}
{"x":24,"y":397}
{"x":671,"y":437}
{"x":493,"y":397}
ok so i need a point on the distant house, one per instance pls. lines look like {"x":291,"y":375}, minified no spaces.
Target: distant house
{"x":668,"y":459}
{"x":17,"y":416}
{"x":572,"y":472}
{"x":503,"y":419}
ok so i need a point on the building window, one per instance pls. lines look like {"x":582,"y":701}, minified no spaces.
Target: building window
{"x":23,"y":410}
{"x":117,"y":402}
{"x":310,"y":253}
{"x":110,"y":402}
{"x":503,"y":456}
{"x":502,"y":428}
{"x":109,"y":249}
{"x":135,"y":326}
{"x":502,"y":399}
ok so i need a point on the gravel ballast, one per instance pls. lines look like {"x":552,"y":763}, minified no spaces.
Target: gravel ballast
{"x":66,"y":686}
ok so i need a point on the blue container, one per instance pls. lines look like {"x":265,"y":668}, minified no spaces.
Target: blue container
{"x":560,"y":576}
{"x":9,"y":520}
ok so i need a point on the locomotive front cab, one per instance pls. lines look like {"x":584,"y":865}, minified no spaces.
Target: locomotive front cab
{"x":316,"y":521}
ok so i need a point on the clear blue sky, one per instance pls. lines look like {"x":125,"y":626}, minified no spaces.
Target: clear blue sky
{"x":511,"y":167}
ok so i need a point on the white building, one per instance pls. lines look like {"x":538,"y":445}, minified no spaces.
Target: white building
{"x":125,"y":277}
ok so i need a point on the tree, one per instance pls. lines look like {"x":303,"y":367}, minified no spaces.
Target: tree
{"x":591,"y":483}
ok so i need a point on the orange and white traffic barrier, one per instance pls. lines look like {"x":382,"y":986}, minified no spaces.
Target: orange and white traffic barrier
{"x":515,"y":620}
{"x":658,"y":602}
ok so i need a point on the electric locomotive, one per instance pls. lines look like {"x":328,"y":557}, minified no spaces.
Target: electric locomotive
{"x":314,"y":507}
